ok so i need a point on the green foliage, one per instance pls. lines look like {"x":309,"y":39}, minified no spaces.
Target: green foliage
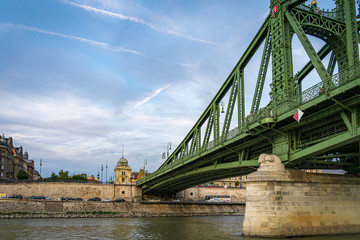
{"x":64,"y":177}
{"x":22,"y":175}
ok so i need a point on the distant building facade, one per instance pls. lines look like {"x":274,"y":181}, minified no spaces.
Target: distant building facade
{"x":12,"y":159}
{"x":233,"y":182}
{"x":92,"y":179}
{"x":123,"y":172}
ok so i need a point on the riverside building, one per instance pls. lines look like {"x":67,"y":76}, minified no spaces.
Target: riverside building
{"x":12,"y":159}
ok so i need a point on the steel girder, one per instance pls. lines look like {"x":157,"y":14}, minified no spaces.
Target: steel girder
{"x":236,"y":78}
{"x":327,"y":136}
{"x":262,"y":74}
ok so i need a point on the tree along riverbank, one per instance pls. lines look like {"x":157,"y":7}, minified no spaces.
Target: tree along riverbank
{"x":62,"y":209}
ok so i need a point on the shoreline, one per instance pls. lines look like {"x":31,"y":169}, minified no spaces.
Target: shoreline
{"x":50,"y":209}
{"x":25,"y":215}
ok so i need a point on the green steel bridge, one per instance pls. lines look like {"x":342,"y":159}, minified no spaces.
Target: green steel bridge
{"x":327,"y":136}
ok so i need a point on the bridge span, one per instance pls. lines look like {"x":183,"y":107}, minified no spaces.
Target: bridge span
{"x":328,"y":134}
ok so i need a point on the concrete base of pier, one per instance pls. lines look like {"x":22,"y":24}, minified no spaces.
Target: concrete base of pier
{"x":289,"y":203}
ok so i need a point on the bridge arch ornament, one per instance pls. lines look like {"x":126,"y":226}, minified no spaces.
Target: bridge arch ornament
{"x":270,"y":163}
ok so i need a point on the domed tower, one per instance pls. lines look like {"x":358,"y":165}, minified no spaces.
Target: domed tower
{"x":122,"y":162}
{"x":123,"y":172}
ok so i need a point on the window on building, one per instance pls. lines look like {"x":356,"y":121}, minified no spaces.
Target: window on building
{"x":229,"y":184}
{"x":123,"y":192}
{"x":191,"y":193}
{"x":2,"y":167}
{"x":2,"y":174}
{"x":122,"y":179}
{"x":123,"y":173}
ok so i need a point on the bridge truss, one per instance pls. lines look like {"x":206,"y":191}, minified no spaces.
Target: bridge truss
{"x":328,"y":135}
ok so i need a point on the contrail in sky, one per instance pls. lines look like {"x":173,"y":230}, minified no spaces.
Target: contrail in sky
{"x":88,"y":41}
{"x":136,"y":20}
{"x":154,"y":94}
{"x":84,"y":40}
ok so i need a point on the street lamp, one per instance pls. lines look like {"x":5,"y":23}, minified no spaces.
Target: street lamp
{"x":40,"y":169}
{"x":102,"y":169}
{"x":131,"y":192}
{"x":168,"y":148}
{"x":222,"y":106}
{"x":106,"y":180}
{"x":222,"y":111}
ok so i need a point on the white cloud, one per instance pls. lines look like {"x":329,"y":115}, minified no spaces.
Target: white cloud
{"x":299,"y":51}
{"x":70,"y":128}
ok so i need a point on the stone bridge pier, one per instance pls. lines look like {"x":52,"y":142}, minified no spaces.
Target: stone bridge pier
{"x":285,"y":203}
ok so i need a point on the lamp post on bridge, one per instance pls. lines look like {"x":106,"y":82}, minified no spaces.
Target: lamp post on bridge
{"x":222,"y":111}
{"x":222,"y":106}
{"x":168,"y":148}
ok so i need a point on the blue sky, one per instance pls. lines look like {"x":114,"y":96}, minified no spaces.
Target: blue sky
{"x":81,"y":78}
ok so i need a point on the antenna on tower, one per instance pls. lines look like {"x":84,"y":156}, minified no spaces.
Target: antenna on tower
{"x":122,"y":151}
{"x":145,"y":163}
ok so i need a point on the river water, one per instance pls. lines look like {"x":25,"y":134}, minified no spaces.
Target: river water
{"x":165,"y":228}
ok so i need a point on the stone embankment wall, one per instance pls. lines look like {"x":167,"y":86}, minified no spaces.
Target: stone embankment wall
{"x":111,"y":191}
{"x":74,"y":190}
{"x":35,"y":209}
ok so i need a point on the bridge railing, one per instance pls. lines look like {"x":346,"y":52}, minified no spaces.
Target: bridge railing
{"x":328,"y":13}
{"x":345,"y":76}
{"x":313,"y":92}
{"x":335,"y":81}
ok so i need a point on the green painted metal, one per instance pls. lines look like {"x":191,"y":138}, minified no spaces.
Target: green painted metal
{"x":328,"y":136}
{"x":262,"y":74}
{"x":241,"y":98}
